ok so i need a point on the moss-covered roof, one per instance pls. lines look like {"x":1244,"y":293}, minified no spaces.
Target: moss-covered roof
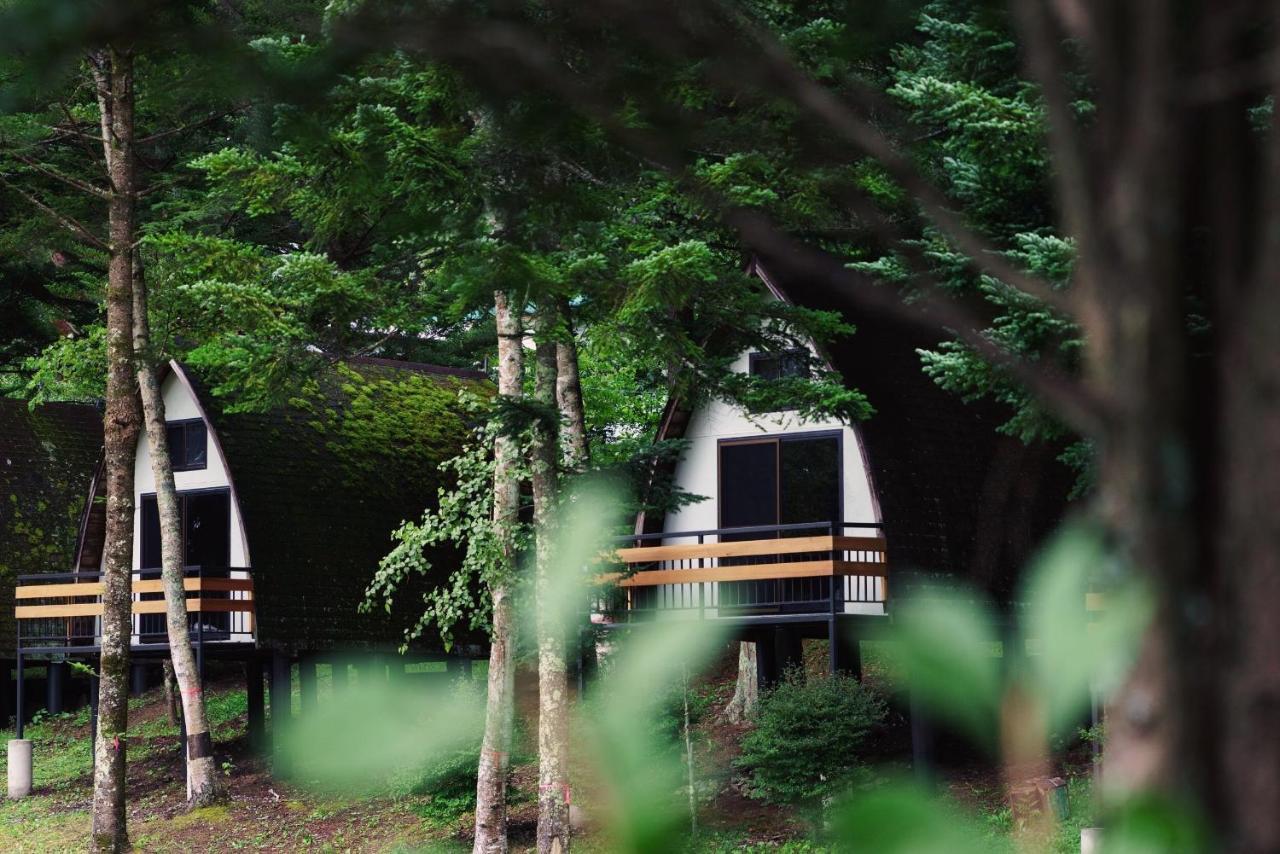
{"x":322,"y":481}
{"x":47,"y":458}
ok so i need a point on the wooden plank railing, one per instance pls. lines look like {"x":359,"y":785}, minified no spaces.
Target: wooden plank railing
{"x":57,"y":610}
{"x":93,"y":590}
{"x":704,"y":562}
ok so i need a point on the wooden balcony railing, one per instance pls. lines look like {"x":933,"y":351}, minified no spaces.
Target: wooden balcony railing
{"x":787,"y":567}
{"x":61,"y":610}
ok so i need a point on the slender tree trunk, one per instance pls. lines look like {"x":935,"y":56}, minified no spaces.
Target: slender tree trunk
{"x":569,"y":399}
{"x":553,"y":683}
{"x":747,"y":692}
{"x":203,"y":784}
{"x":495,"y":751}
{"x":688,"y":753}
{"x":171,"y":702}
{"x":113,"y":74}
{"x":574,"y":451}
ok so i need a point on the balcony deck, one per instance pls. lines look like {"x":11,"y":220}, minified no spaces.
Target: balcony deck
{"x":60,"y":613}
{"x":794,"y":571}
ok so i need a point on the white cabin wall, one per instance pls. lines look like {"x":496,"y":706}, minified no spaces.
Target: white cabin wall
{"x":697,"y":472}
{"x":179,"y":405}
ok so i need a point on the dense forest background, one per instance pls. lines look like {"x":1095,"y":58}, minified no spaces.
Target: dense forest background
{"x":1079,"y":196}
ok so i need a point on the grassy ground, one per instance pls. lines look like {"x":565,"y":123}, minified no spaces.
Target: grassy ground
{"x":264,"y":814}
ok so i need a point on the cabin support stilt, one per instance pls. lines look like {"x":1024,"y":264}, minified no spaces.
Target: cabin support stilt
{"x":921,"y":741}
{"x":308,"y":687}
{"x":846,"y":650}
{"x":55,"y":686}
{"x":254,"y":694}
{"x":458,"y":667}
{"x":20,"y":713}
{"x":137,"y":679}
{"x":341,"y":675}
{"x":281,"y":707}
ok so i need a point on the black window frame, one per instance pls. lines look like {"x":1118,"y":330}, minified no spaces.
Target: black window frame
{"x":779,"y":439}
{"x":792,"y":355}
{"x":184,"y":427}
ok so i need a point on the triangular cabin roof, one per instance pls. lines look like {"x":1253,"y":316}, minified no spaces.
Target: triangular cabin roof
{"x":956,"y":496}
{"x":47,"y":459}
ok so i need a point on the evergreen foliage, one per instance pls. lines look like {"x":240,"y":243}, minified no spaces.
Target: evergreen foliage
{"x":809,"y":734}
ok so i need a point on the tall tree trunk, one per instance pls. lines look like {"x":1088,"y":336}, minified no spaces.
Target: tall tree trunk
{"x":113,"y":74}
{"x":569,"y":399}
{"x":495,"y":751}
{"x":203,"y":784}
{"x":574,"y":451}
{"x":553,"y":683}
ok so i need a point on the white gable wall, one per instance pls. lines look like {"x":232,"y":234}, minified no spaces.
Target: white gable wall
{"x":180,"y":404}
{"x":698,"y":471}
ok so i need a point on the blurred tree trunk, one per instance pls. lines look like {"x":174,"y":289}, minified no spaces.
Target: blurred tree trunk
{"x":495,"y":752}
{"x":203,"y":783}
{"x":1173,"y":199}
{"x":553,"y":698}
{"x":113,"y":75}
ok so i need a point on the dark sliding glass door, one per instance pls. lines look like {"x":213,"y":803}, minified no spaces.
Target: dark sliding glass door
{"x":206,"y":542}
{"x":780,"y":480}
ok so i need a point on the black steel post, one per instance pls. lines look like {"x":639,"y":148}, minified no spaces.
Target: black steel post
{"x":308,"y":689}
{"x":341,"y":674}
{"x":257,"y":724}
{"x":921,"y":741}
{"x":55,"y":686}
{"x":200,"y":647}
{"x":137,"y":678}
{"x":281,"y":706}
{"x":21,"y":700}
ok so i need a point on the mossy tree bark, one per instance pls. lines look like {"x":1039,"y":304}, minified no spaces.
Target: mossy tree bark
{"x":203,"y":784}
{"x":495,"y":750}
{"x":113,"y":76}
{"x":553,"y":683}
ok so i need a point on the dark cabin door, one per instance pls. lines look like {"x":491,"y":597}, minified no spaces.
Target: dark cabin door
{"x":206,"y":542}
{"x":781,"y":480}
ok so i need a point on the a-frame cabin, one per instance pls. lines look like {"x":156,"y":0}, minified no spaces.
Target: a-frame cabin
{"x":812,"y":528}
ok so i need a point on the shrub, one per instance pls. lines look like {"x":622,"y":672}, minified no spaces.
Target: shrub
{"x":807,"y":736}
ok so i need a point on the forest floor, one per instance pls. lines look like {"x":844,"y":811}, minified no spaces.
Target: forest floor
{"x":265,"y":814}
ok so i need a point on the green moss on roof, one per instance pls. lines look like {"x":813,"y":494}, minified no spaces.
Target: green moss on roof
{"x":324,"y":479}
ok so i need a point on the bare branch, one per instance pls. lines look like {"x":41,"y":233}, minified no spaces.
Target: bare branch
{"x":207,"y":120}
{"x":1070,"y":169}
{"x":66,"y":222}
{"x":824,"y":105}
{"x":75,"y":183}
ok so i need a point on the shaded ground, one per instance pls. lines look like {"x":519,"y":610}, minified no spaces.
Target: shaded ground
{"x":264,"y":814}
